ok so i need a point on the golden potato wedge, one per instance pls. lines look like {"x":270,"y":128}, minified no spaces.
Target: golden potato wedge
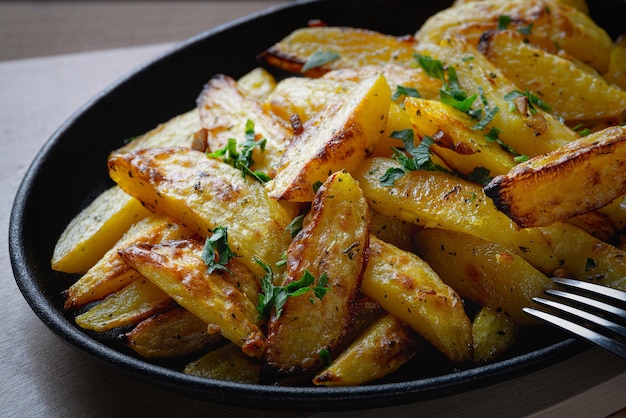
{"x":585,"y":175}
{"x":578,"y":4}
{"x":527,"y":128}
{"x":385,"y":346}
{"x":548,"y":24}
{"x":92,"y":232}
{"x":439,"y":200}
{"x":111,"y":273}
{"x":179,"y":131}
{"x":586,"y":257}
{"x":493,"y":335}
{"x":205,"y":193}
{"x":409,"y":289}
{"x":462,"y":148}
{"x":172,"y":333}
{"x":485,"y":272}
{"x":616,"y":73}
{"x":178,"y":269}
{"x":333,"y":243}
{"x":135,"y":302}
{"x":225,"y":109}
{"x":394,"y":231}
{"x":572,"y":92}
{"x":314,"y":51}
{"x":258,"y":82}
{"x":338,"y":138}
{"x":226,"y":363}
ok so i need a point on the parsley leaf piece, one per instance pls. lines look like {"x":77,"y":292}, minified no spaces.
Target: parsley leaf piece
{"x":216,"y":252}
{"x":319,"y":58}
{"x":533,"y":100}
{"x":433,"y":67}
{"x":503,"y":22}
{"x":489,"y":115}
{"x":480,"y":175}
{"x":295,"y":225}
{"x":276,"y":296}
{"x":325,"y":359}
{"x":405,"y":91}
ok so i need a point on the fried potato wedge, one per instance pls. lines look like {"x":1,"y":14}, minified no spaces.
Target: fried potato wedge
{"x":572,"y":92}
{"x":111,"y":273}
{"x":528,"y":129}
{"x":393,"y":231}
{"x":225,"y":109}
{"x":493,"y":335}
{"x":92,"y":232}
{"x":172,"y":333}
{"x":338,"y":138}
{"x":226,"y":363}
{"x":616,"y":73}
{"x":179,"y":131}
{"x":405,"y":286}
{"x":548,"y":24}
{"x":586,"y":257}
{"x":578,"y":4}
{"x":462,"y":147}
{"x":135,"y":302}
{"x":585,"y":175}
{"x":343,"y":47}
{"x":333,"y":242}
{"x":440,"y":200}
{"x":485,"y":272}
{"x":177,"y":268}
{"x":385,"y":346}
{"x":205,"y":193}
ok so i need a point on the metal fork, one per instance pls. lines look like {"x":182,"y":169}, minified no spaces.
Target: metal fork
{"x":590,"y":311}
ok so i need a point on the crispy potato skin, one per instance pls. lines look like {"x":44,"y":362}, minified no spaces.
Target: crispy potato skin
{"x":583,"y":176}
{"x":356,"y":48}
{"x":493,"y":334}
{"x":382,"y":349}
{"x":554,"y":26}
{"x":338,"y":138}
{"x":177,"y":268}
{"x":333,"y":241}
{"x":203,"y":194}
{"x":449,"y":202}
{"x":408,"y":288}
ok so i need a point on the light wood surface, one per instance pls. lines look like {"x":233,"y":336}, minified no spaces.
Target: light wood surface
{"x":40,"y":376}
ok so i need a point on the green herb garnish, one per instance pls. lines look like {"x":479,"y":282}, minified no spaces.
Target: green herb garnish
{"x":320,"y":58}
{"x":217,"y":253}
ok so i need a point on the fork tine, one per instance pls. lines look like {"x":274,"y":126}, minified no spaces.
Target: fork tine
{"x":583,"y":300}
{"x":601,"y":340}
{"x":604,"y":291}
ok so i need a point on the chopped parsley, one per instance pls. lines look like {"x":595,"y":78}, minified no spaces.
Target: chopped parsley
{"x":276,"y":296}
{"x":325,"y":359}
{"x":418,"y":158}
{"x":494,"y":136}
{"x":503,"y":22}
{"x":242,"y":160}
{"x":532,"y":100}
{"x":402,"y":91}
{"x":480,"y":175}
{"x":217,"y":253}
{"x":295,"y":225}
{"x":319,"y":58}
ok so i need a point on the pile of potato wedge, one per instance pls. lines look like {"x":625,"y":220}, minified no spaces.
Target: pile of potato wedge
{"x":393,"y":197}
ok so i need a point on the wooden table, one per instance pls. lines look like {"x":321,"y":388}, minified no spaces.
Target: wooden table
{"x":42,"y":376}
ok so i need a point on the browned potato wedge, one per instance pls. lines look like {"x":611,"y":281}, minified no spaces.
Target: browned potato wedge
{"x":137,"y":301}
{"x":549,"y":24}
{"x":177,"y":268}
{"x":461,"y":147}
{"x":95,"y":230}
{"x":440,"y":200}
{"x":175,"y":332}
{"x":528,"y":128}
{"x":583,"y":176}
{"x":485,"y":272}
{"x":343,"y":47}
{"x":226,"y":363}
{"x":111,"y":273}
{"x":409,"y":289}
{"x":225,"y":107}
{"x":393,"y":231}
{"x":493,"y":334}
{"x":617,"y":65}
{"x":333,"y":242}
{"x":338,"y":138}
{"x":203,"y":193}
{"x":572,"y":92}
{"x":578,"y":4}
{"x":179,"y":131}
{"x":585,"y":257}
{"x":385,"y":346}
